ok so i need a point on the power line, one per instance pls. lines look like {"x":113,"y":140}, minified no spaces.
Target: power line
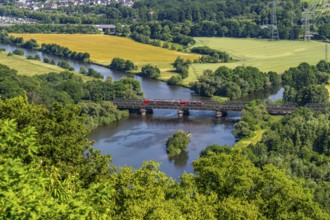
{"x":326,"y":51}
{"x":307,"y":16}
{"x":275,"y":35}
{"x":311,"y":15}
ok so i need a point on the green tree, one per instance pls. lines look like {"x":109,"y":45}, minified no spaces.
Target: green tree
{"x":10,"y":85}
{"x":177,"y":143}
{"x":150,"y":71}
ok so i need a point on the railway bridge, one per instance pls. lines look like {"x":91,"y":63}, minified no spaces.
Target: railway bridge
{"x":183,"y":107}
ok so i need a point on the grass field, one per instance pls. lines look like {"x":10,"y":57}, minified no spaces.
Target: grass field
{"x":267,"y":55}
{"x":328,"y":87}
{"x":257,"y":135}
{"x":104,"y":48}
{"x":31,"y":67}
{"x":243,"y":143}
{"x":27,"y":67}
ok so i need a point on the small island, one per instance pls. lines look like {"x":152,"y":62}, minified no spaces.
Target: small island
{"x":177,"y":143}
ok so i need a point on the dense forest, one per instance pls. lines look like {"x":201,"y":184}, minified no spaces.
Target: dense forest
{"x":234,"y":83}
{"x":188,"y":17}
{"x":66,"y":88}
{"x":305,"y":84}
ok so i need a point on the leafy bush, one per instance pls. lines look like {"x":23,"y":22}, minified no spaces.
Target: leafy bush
{"x":177,"y":143}
{"x":121,"y":64}
{"x":150,"y":71}
{"x":18,"y":52}
{"x":174,"y":80}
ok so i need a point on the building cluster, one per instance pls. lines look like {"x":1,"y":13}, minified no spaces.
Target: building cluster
{"x":55,"y":4}
{"x":15,"y":20}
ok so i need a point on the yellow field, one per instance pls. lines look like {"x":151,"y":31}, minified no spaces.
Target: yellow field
{"x":266,"y":55}
{"x":27,"y":67}
{"x":104,"y":48}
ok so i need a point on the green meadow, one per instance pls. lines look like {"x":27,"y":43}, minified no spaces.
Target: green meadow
{"x":27,"y":67}
{"x":266,"y":55}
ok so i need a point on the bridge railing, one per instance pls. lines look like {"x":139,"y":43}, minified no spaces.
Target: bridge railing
{"x":207,"y":105}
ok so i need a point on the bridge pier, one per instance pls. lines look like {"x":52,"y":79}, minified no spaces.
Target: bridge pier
{"x":143,"y":112}
{"x":186,"y":112}
{"x":181,"y":113}
{"x":150,"y":111}
{"x":219,"y":114}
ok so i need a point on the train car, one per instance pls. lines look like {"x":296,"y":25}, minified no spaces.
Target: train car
{"x":172,"y":102}
{"x":146,"y":101}
{"x":196,"y":103}
{"x":183,"y":102}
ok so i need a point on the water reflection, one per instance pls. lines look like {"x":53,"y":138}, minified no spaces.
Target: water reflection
{"x":180,"y":160}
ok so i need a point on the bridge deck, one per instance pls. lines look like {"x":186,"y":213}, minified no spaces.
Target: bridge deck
{"x":206,"y":106}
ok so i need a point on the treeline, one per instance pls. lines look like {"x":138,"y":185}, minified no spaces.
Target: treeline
{"x":121,"y":64}
{"x":65,"y":52}
{"x":211,"y":55}
{"x":234,"y":83}
{"x":67,"y":88}
{"x":227,"y":18}
{"x":49,"y":168}
{"x":52,"y":28}
{"x":305,"y":83}
{"x":165,"y":31}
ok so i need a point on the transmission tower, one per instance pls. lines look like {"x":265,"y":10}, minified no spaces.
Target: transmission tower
{"x":307,"y":17}
{"x":275,"y":35}
{"x":311,"y":16}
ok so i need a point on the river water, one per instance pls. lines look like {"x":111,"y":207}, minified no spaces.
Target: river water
{"x":136,"y":139}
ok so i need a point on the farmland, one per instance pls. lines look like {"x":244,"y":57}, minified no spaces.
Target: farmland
{"x":266,"y":55}
{"x":104,"y":48}
{"x":27,"y":67}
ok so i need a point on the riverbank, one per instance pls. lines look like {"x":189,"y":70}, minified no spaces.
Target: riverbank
{"x":27,"y":67}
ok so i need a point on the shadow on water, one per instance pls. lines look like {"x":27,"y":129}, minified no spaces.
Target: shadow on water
{"x":180,"y":160}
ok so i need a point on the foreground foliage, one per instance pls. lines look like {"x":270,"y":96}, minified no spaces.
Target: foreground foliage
{"x":49,"y":170}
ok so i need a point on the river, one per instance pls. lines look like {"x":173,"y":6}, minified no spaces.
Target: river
{"x":136,"y":139}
